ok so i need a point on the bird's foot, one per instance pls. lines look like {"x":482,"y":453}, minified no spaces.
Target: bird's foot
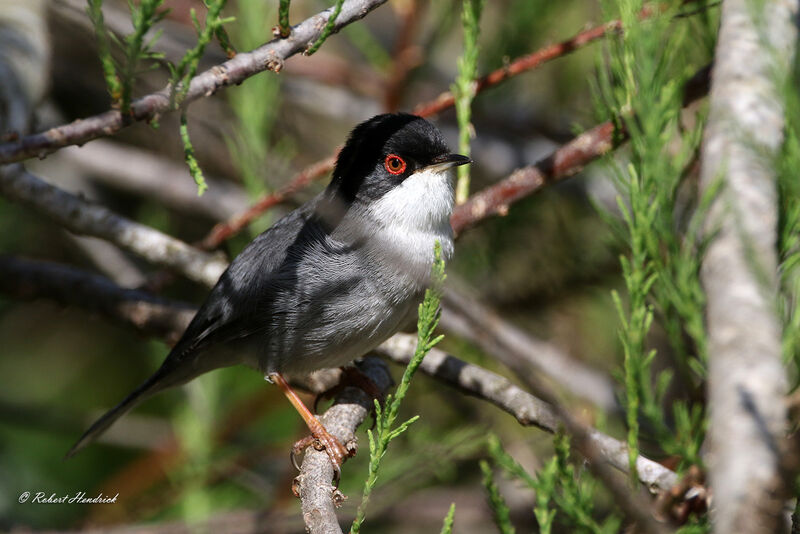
{"x":321,"y":440}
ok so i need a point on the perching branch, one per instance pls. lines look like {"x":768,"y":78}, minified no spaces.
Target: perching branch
{"x":317,"y":495}
{"x":747,"y":380}
{"x":83,"y":217}
{"x":232,"y":72}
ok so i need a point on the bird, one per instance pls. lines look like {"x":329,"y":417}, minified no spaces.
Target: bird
{"x":329,"y":281}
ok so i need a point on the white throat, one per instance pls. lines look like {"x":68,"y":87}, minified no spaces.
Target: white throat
{"x":413,"y":216}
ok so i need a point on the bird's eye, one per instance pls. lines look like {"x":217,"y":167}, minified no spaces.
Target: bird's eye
{"x":394,"y":164}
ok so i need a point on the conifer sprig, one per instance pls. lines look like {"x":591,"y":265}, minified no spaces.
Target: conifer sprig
{"x":385,"y":432}
{"x":464,"y":89}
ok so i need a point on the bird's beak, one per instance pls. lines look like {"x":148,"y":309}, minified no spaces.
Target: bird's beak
{"x":445,"y":161}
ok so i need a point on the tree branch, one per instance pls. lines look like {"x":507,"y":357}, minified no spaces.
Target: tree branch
{"x":527,"y":409}
{"x":747,"y":381}
{"x":232,"y":72}
{"x":83,"y":217}
{"x":522,"y":353}
{"x":352,"y":406}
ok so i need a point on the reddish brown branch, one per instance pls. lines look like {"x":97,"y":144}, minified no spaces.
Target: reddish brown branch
{"x":566,"y":161}
{"x":406,"y":54}
{"x":234,"y":225}
{"x":520,"y":65}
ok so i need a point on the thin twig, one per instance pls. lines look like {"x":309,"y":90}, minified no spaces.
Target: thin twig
{"x":235,"y":224}
{"x":531,"y":61}
{"x":232,"y":72}
{"x":527,"y":409}
{"x":566,"y":161}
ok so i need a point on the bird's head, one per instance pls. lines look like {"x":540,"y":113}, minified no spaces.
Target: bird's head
{"x":399,"y":166}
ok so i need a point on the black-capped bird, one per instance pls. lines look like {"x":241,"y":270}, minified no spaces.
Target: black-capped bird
{"x":331,"y":280}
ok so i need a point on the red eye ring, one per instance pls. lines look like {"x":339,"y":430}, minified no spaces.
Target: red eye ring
{"x":394,"y":164}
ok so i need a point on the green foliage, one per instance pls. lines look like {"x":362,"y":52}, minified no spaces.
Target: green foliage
{"x":144,"y":16}
{"x":182,"y":73}
{"x":385,"y":432}
{"x":496,"y":502}
{"x":789,"y":230}
{"x":464,"y":88}
{"x":642,"y":89}
{"x":283,"y":18}
{"x":255,"y":104}
{"x":447,"y":527}
{"x":327,"y":30}
{"x":373,"y":50}
{"x":113,"y":83}
{"x":189,"y":157}
{"x":120,"y":78}
{"x":558,"y":489}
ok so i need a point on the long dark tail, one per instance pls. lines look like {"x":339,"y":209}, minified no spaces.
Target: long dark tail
{"x":167,"y":376}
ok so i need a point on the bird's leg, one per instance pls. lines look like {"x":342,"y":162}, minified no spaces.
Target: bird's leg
{"x":320,"y":438}
{"x":351,"y":376}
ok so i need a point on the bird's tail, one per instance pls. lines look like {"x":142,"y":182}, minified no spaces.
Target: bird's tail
{"x":165,"y":377}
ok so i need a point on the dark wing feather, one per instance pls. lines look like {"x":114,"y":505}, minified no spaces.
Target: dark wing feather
{"x":228,"y":313}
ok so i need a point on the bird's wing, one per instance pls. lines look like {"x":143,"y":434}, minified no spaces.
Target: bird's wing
{"x":239,"y":304}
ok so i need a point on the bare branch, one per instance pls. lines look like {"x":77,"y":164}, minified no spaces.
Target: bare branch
{"x":566,"y":161}
{"x":526,"y":408}
{"x":522,"y":64}
{"x":83,"y":217}
{"x":476,"y":322}
{"x":234,"y":225}
{"x":318,"y":497}
{"x":234,"y":71}
{"x":747,"y":381}
{"x":150,"y":315}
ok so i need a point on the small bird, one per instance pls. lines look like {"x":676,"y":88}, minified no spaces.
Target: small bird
{"x":331,"y":280}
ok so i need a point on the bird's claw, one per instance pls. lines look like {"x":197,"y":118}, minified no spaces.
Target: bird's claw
{"x":323,"y":440}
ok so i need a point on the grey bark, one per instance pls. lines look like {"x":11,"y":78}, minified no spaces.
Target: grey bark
{"x":86,"y":218}
{"x":523,"y":353}
{"x":746,"y":378}
{"x":526,"y":408}
{"x":269,"y":56}
{"x":318,"y":496}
